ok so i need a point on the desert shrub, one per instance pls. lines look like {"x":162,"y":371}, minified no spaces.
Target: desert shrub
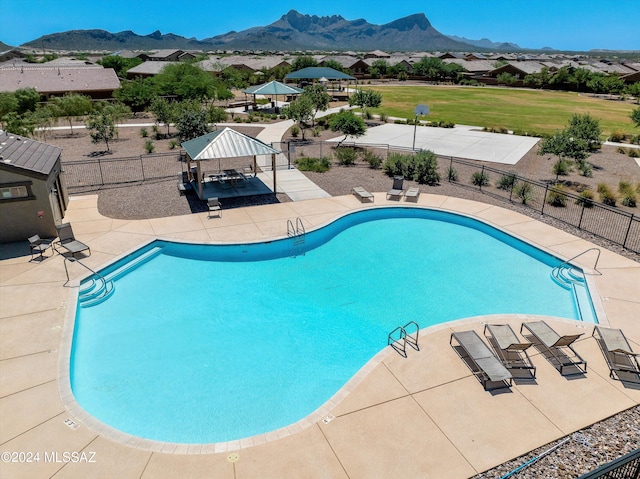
{"x":173,"y":144}
{"x":400,"y":122}
{"x":633,"y":153}
{"x":384,"y":117}
{"x":144,"y":132}
{"x":618,"y":136}
{"x":585,"y":168}
{"x":561,"y":167}
{"x":628,"y":194}
{"x":452,"y":174}
{"x":315,"y":132}
{"x":585,"y":198}
{"x":394,"y":165}
{"x":629,"y":199}
{"x":295,"y":131}
{"x":421,"y":167}
{"x":557,"y":197}
{"x":607,"y":196}
{"x":375,"y":161}
{"x":480,"y":178}
{"x":638,"y":187}
{"x":237,"y":119}
{"x":318,"y":165}
{"x":426,"y":168}
{"x":524,"y":191}
{"x":621,"y":149}
{"x":149,"y":146}
{"x":506,"y":181}
{"x":345,"y":156}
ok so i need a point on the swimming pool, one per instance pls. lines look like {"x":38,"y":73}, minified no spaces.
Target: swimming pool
{"x":212,"y":343}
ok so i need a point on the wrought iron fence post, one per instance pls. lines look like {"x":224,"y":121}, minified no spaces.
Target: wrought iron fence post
{"x":142,"y":168}
{"x":582,"y":214}
{"x":100,"y":169}
{"x":544,"y":200}
{"x":513,"y":183}
{"x":481,"y":177}
{"x":626,"y":236}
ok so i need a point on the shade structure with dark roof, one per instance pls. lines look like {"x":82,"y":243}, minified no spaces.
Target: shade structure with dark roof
{"x":315,"y":73}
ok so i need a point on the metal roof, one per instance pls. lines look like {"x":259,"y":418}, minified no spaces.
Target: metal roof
{"x":225,"y":143}
{"x":24,"y":153}
{"x":318,"y":72}
{"x":273,"y":88}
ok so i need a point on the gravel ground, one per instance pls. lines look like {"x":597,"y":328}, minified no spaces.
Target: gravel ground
{"x":585,"y":450}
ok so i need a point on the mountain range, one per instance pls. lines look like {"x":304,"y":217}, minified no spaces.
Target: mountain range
{"x":292,"y":32}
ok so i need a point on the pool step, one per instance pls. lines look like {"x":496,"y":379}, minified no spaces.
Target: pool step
{"x":572,"y":279}
{"x":99,"y":289}
{"x":133,"y":263}
{"x":567,"y":275}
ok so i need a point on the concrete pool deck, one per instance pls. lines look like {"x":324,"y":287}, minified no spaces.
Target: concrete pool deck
{"x":423,"y":416}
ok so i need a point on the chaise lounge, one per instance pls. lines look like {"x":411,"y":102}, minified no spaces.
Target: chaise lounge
{"x":559,"y":347}
{"x":482,"y":362}
{"x":510,"y":350}
{"x":396,"y":190}
{"x":67,"y":240}
{"x":618,"y":353}
{"x":362,"y":194}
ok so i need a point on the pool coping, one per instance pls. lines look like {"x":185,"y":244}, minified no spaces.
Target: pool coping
{"x":322,"y":413}
{"x":425,"y":415}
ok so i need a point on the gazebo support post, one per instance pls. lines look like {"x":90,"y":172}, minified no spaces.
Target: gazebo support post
{"x":255,"y":165}
{"x":273,"y":166}
{"x":198,"y":176}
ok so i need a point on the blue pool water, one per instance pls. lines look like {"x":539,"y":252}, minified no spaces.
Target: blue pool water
{"x":210,"y":343}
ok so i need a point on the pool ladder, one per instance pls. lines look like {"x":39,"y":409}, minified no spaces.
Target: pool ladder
{"x":400,"y":337}
{"x":297,"y":233}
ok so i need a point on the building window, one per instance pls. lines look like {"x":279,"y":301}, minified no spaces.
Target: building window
{"x":15,"y":191}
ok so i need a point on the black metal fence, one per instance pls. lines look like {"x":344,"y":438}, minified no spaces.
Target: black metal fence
{"x":590,"y":216}
{"x":593,"y":217}
{"x":625,"y":467}
{"x":99,"y":172}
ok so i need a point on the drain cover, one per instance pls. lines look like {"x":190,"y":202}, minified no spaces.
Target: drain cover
{"x":233,"y":457}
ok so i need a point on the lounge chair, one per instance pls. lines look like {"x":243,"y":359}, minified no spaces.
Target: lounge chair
{"x":67,"y":240}
{"x":559,"y":347}
{"x":509,"y":349}
{"x":362,"y":194}
{"x":616,"y":350}
{"x":412,"y":193}
{"x":482,"y":362}
{"x":39,"y":246}
{"x":214,"y":206}
{"x":396,"y":190}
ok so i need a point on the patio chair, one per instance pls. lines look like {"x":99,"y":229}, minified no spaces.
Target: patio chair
{"x":67,"y":240}
{"x":509,"y":349}
{"x":39,"y":246}
{"x":559,"y":347}
{"x":362,"y":194}
{"x":396,"y":190}
{"x":214,"y":206}
{"x":482,"y":362}
{"x":618,"y":353}
{"x":412,"y":193}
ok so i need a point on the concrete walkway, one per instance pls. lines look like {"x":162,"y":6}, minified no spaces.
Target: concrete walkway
{"x":424,"y":416}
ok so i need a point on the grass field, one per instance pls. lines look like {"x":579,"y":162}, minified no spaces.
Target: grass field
{"x":532,"y":111}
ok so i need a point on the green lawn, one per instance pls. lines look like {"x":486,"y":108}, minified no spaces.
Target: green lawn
{"x":519,"y":110}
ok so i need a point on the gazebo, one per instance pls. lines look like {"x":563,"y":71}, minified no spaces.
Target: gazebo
{"x":323,"y":75}
{"x":273,"y":88}
{"x":220,"y":144}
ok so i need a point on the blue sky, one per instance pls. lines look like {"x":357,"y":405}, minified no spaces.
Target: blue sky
{"x":560,"y":24}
